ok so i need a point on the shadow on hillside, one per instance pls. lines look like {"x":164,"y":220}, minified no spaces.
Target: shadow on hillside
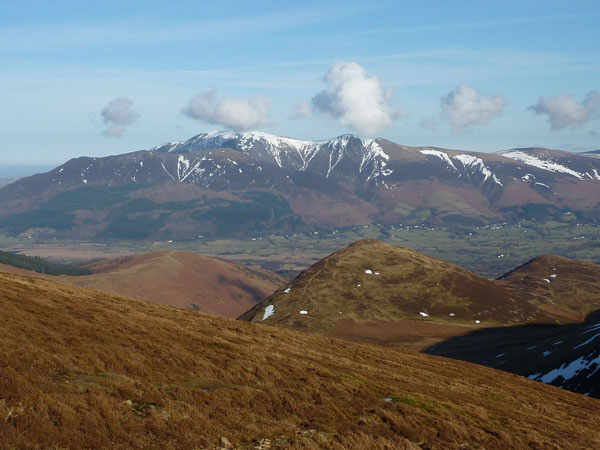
{"x":484,"y":346}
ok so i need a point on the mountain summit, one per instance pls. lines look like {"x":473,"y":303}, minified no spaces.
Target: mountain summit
{"x":347,"y":155}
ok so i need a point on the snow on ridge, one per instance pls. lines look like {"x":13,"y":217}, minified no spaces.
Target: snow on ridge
{"x":211,"y":138}
{"x":290,"y":153}
{"x":443,"y":156}
{"x":171,"y":145}
{"x":548,"y":165}
{"x":374,"y":149}
{"x":477,"y":163}
{"x":374,"y":154}
{"x":468,"y":162}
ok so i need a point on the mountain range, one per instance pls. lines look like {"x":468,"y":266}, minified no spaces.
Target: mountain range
{"x":242,"y":184}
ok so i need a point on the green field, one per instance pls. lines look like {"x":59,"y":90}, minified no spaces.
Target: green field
{"x":490,"y":251}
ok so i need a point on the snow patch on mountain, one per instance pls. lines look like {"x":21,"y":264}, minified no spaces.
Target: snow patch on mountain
{"x":587,"y":342}
{"x":168,"y":147}
{"x":544,"y":164}
{"x":569,"y":370}
{"x":476,"y":164}
{"x":269,"y":311}
{"x":443,"y":156}
{"x":472,"y":164}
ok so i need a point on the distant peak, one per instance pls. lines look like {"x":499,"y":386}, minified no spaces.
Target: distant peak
{"x":255,"y":135}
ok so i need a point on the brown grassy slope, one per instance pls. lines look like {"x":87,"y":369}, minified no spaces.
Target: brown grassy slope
{"x":182,"y":279}
{"x":342,"y":300}
{"x":562,"y":287}
{"x":85,"y":369}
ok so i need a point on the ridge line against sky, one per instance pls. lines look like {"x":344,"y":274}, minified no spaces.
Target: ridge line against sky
{"x":81,"y":79}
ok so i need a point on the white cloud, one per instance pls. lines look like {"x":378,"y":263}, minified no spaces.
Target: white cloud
{"x":564,"y":111}
{"x":430,"y":123}
{"x":465,"y":107}
{"x":302,"y":109}
{"x":239,"y":114}
{"x":358,"y":101}
{"x":118,"y":114}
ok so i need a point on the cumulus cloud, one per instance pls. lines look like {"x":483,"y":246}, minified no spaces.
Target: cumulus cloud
{"x":239,"y":114}
{"x":564,"y":111}
{"x":118,"y":114}
{"x":356,"y":100}
{"x":465,"y":107}
{"x":302,"y":109}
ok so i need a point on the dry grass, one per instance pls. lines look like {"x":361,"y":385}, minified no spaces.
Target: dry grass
{"x":176,"y":278}
{"x":565,"y":288}
{"x":84,"y":369}
{"x":403,"y":284}
{"x":182,"y":279}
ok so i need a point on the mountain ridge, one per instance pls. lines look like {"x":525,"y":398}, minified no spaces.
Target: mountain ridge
{"x":348,"y":181}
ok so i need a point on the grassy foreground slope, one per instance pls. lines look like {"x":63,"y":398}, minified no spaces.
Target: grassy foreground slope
{"x":85,"y":369}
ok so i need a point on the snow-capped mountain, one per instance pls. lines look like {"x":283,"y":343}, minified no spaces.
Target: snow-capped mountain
{"x":344,"y":156}
{"x":373,"y":160}
{"x":343,"y":181}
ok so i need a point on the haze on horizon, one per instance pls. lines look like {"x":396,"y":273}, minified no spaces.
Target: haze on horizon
{"x":98,"y":79}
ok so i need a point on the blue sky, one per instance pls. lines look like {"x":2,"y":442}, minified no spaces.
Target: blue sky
{"x":99,"y":78}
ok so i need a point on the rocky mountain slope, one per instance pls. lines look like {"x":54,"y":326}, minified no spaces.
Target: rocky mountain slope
{"x":85,"y":369}
{"x":261,"y":183}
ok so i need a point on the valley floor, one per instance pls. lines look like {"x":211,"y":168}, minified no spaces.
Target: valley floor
{"x":490,"y":251}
